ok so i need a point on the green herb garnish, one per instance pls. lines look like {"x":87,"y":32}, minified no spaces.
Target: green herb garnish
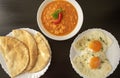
{"x":102,"y":48}
{"x":103,"y":40}
{"x":102,"y":61}
{"x":88,"y":39}
{"x":56,"y":13}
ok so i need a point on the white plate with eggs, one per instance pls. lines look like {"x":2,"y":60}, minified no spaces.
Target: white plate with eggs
{"x":95,"y":53}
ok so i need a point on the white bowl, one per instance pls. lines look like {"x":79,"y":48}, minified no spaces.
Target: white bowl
{"x":77,"y":28}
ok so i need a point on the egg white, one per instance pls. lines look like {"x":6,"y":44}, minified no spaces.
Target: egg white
{"x":83,"y":42}
{"x":82,"y":65}
{"x":112,"y":51}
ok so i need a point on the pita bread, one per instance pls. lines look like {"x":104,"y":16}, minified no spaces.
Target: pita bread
{"x":15,"y":54}
{"x":43,"y":53}
{"x":30,"y":42}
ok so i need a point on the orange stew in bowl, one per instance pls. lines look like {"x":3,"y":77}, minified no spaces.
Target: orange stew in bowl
{"x":59,"y":17}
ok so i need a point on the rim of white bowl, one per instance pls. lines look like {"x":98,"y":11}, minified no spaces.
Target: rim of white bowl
{"x":65,"y":37}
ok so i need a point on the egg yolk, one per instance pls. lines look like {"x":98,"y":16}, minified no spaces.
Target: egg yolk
{"x":95,"y":62}
{"x":95,"y":45}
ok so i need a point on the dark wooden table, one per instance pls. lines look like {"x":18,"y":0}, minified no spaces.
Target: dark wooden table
{"x":97,"y":14}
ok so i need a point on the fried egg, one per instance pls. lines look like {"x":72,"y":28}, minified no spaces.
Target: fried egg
{"x":95,"y":40}
{"x":92,"y":66}
{"x":91,"y":51}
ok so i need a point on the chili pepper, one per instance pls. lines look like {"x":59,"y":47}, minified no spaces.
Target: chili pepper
{"x":56,"y":13}
{"x":57,"y":21}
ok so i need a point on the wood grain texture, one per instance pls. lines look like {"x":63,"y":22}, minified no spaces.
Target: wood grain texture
{"x":97,"y":13}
